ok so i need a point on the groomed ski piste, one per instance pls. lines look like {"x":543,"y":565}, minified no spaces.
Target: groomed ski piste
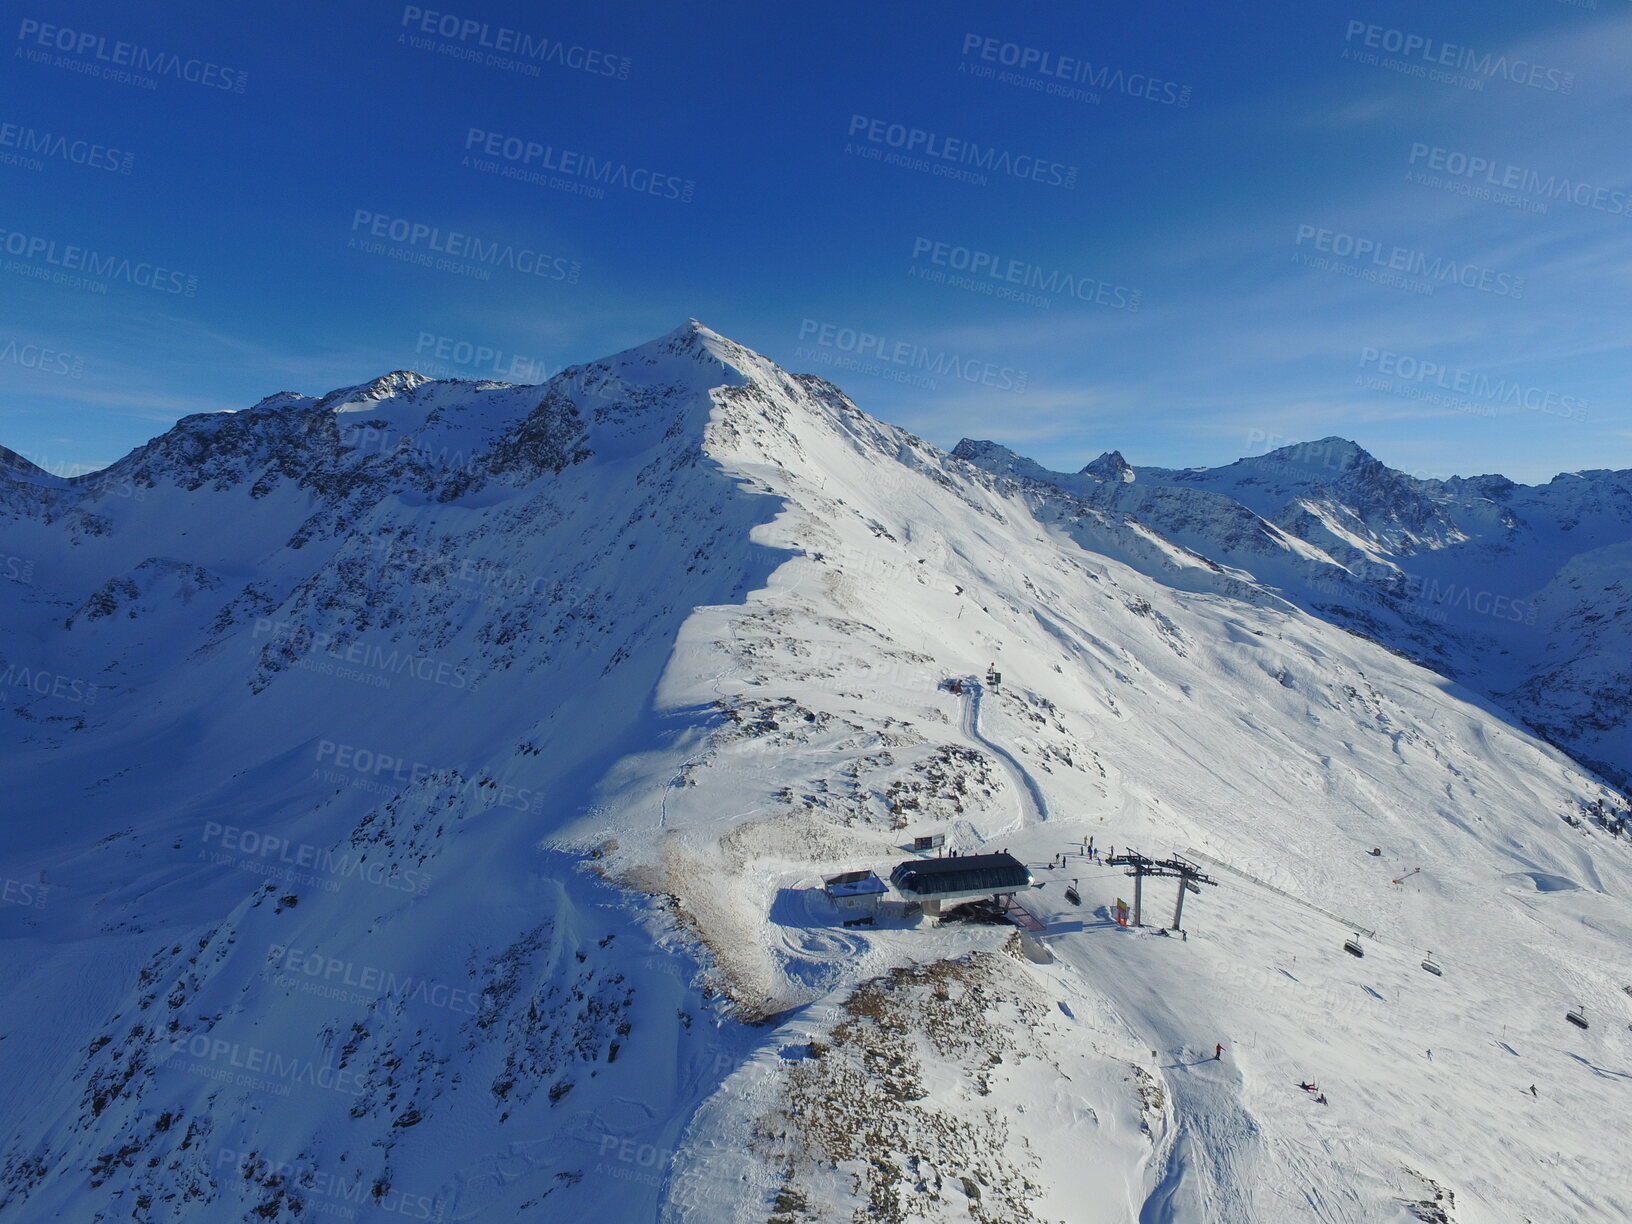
{"x":740,"y":694}
{"x":1033,"y":807}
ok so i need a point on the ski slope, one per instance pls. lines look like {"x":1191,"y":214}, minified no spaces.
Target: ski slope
{"x":661,"y":645}
{"x":1033,"y":805}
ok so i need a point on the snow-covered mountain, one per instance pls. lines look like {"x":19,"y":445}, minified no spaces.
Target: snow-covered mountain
{"x":420,"y":796}
{"x":1523,"y":592}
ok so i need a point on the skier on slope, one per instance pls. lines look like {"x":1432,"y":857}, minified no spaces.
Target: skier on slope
{"x":1218,"y":1052}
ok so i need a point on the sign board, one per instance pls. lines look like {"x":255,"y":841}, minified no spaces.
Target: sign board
{"x":1121,"y":912}
{"x":932,"y":842}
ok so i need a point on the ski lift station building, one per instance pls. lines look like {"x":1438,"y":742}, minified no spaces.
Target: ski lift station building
{"x":930,"y":882}
{"x":854,"y":891}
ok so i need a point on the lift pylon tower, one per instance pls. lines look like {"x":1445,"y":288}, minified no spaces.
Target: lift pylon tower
{"x":1190,"y":877}
{"x":1139,"y":866}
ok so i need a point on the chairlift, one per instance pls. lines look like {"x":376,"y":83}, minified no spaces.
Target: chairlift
{"x":1431,"y":967}
{"x":1073,"y":896}
{"x":1352,"y":947}
{"x":1577,"y":1017}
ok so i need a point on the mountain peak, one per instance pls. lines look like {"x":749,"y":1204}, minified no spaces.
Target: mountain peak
{"x":999,"y":460}
{"x":696,"y":330}
{"x":17,"y":467}
{"x":976,"y":448}
{"x":365,"y":395}
{"x":1331,"y":456}
{"x":714,"y":360}
{"x":280,"y":400}
{"x":704,"y":343}
{"x":1110,"y":467}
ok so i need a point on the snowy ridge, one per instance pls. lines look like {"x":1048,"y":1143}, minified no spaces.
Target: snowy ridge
{"x":1516,"y":590}
{"x":448,"y":825}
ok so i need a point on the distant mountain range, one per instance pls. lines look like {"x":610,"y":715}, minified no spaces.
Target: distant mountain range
{"x":1521,"y":592}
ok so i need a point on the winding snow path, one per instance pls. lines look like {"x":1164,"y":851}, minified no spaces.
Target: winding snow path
{"x":1032,"y":802}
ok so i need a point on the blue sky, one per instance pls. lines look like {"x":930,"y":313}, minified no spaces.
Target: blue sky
{"x":1212,"y":231}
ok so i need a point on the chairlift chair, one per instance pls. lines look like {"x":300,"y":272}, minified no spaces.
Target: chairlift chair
{"x":1431,"y":967}
{"x":1352,"y":947}
{"x":1073,"y":896}
{"x":1577,"y":1017}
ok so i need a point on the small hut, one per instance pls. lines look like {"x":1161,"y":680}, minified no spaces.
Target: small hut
{"x":855,"y":894}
